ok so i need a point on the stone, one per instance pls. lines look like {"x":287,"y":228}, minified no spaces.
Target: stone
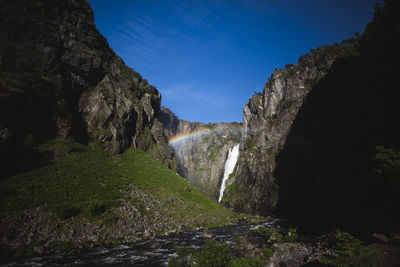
{"x":208,"y":235}
{"x":88,"y":91}
{"x":288,"y":254}
{"x":380,"y":237}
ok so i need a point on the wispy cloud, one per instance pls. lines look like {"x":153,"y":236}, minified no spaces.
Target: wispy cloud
{"x":169,"y":26}
{"x":187,"y":93}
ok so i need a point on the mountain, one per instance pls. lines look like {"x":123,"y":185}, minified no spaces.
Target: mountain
{"x":60,"y":79}
{"x":74,"y":122}
{"x":201,"y":149}
{"x":267,"y":120}
{"x":320,"y":144}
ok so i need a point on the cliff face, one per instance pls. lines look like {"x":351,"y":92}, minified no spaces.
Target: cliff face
{"x":312,"y":143}
{"x":339,"y":159}
{"x":267,"y":120}
{"x":59,"y":78}
{"x":66,"y":97}
{"x":202,"y":150}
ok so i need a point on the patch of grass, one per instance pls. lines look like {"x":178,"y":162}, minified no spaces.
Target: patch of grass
{"x":62,"y":246}
{"x":250,"y":142}
{"x":217,"y":255}
{"x":82,"y":183}
{"x":163,"y":182}
{"x":253,"y":262}
{"x":214,"y":151}
{"x":277,"y":235}
{"x":89,"y":182}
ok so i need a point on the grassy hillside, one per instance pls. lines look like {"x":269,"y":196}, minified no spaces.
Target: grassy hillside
{"x":87,"y":183}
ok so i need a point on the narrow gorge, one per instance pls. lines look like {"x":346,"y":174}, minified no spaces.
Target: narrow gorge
{"x":90,"y":158}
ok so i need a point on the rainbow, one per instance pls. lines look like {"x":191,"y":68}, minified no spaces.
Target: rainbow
{"x":185,"y":136}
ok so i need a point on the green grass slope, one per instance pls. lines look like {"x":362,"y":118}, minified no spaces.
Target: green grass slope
{"x":88,"y":182}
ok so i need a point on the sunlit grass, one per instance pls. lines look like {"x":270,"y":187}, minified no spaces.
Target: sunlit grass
{"x":89,"y":181}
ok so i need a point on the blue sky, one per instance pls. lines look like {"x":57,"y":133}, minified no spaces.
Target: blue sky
{"x":207,"y":57}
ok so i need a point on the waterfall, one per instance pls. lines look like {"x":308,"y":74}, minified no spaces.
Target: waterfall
{"x":229,"y":166}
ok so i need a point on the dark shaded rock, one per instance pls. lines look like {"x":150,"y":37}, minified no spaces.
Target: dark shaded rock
{"x":380,"y":238}
{"x":59,"y":78}
{"x":267,"y":120}
{"x":327,"y":171}
{"x":309,"y":143}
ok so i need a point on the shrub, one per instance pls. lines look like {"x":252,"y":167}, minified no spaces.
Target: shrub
{"x":348,"y":251}
{"x":386,"y":159}
{"x":216,"y":254}
{"x":213,"y":254}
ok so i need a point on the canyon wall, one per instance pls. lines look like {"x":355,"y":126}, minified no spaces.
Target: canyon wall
{"x":267,"y":120}
{"x":320,"y":144}
{"x":59,"y":78}
{"x":201,"y":149}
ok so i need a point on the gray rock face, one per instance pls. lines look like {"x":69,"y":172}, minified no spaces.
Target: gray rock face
{"x":59,"y":79}
{"x":288,"y":254}
{"x":267,"y":120}
{"x":202,"y":150}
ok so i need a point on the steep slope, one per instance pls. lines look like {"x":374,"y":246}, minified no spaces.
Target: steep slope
{"x":341,"y":158}
{"x":267,"y":120}
{"x":74,"y":120}
{"x":91,"y":198}
{"x":312,"y":143}
{"x":201,"y":149}
{"x":59,"y":78}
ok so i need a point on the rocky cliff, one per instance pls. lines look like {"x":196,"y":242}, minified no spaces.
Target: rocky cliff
{"x":71,"y":117}
{"x":201,"y":149}
{"x":267,"y":120}
{"x":339,"y":159}
{"x":315,"y":139}
{"x":59,"y":78}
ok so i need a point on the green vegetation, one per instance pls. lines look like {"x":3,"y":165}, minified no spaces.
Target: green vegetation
{"x":232,"y":194}
{"x":275,"y":234}
{"x":273,"y":120}
{"x":214,"y":149}
{"x":285,"y":104}
{"x":272,"y":155}
{"x":343,"y":50}
{"x":88,"y":182}
{"x":216,"y":255}
{"x":349,"y":251}
{"x":311,"y":82}
{"x":250,"y":142}
{"x":387,"y":160}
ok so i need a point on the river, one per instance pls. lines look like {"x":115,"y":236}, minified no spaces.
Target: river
{"x":154,"y":252}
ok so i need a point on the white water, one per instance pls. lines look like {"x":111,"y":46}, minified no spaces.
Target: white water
{"x":229,"y":166}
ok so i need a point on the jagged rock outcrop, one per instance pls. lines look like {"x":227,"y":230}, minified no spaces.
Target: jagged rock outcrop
{"x":59,"y":78}
{"x":319,"y":144}
{"x":203,"y":152}
{"x":267,"y":120}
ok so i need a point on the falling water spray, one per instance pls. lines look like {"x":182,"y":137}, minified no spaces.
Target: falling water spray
{"x":229,"y":166}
